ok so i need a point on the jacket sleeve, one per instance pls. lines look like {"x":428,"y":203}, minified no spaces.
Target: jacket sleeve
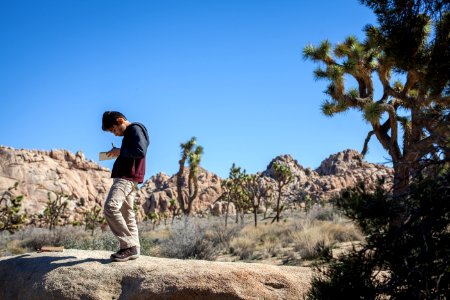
{"x":136,"y":143}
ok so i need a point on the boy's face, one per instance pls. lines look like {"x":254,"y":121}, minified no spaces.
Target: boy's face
{"x":119,"y":129}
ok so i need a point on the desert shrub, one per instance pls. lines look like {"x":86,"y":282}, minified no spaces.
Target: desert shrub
{"x":223,"y":235}
{"x":343,"y":232}
{"x":148,"y":246}
{"x":260,"y":242}
{"x":413,"y":251}
{"x":35,"y":238}
{"x":314,"y":239}
{"x":243,"y":247}
{"x":99,"y":241}
{"x":68,"y":236}
{"x":310,"y":242}
{"x":190,"y":238}
{"x":9,"y":244}
{"x":321,"y":213}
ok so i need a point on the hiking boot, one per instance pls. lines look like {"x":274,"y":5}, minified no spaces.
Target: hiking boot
{"x":117,"y":253}
{"x":125,"y":254}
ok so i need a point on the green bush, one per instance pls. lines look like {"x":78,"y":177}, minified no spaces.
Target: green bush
{"x":406,"y":255}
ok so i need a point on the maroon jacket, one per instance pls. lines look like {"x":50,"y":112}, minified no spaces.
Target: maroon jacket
{"x":130,"y":164}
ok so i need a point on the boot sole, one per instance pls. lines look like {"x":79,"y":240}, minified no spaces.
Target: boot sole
{"x":132,"y":257}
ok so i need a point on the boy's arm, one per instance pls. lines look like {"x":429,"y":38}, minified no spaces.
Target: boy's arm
{"x":137,"y":144}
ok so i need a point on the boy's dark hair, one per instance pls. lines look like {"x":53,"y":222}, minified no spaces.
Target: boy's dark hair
{"x":110,"y":119}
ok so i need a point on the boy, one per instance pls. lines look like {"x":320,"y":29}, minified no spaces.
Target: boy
{"x":128,"y":171}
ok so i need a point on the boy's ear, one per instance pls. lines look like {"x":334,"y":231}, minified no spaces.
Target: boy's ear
{"x":120,"y":121}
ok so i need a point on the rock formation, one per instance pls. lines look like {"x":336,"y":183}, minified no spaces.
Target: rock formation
{"x":60,"y":171}
{"x":78,"y":274}
{"x":57,"y":172}
{"x":337,"y":172}
{"x":156,"y":192}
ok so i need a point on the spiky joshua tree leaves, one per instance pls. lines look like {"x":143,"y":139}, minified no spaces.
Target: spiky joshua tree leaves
{"x":421,"y":111}
{"x":11,"y":218}
{"x":192,"y":154}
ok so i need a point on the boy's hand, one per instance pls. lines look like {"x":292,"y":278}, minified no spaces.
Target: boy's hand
{"x":114,"y":152}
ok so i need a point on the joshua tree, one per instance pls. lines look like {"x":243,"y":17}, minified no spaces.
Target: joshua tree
{"x":236,"y":192}
{"x":55,"y":208}
{"x":193,"y":156}
{"x":92,"y":217}
{"x":282,"y":175}
{"x":10,"y":205}
{"x":257,"y":191}
{"x":413,"y":39}
{"x":154,"y":218}
{"x":420,"y":104}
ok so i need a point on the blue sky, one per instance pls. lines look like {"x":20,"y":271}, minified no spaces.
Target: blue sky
{"x":229,"y":72}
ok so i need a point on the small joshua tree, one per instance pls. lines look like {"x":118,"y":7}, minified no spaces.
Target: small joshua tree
{"x":282,"y":175}
{"x":153,"y":217}
{"x":10,"y":217}
{"x":257,"y":191}
{"x":234,"y":191}
{"x":93,"y":217}
{"x":193,"y":155}
{"x":55,"y":208}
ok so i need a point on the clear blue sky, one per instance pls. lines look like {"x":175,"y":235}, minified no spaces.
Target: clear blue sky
{"x":229,"y":72}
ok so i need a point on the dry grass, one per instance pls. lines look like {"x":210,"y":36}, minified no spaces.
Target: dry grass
{"x":298,"y":238}
{"x":261,"y":242}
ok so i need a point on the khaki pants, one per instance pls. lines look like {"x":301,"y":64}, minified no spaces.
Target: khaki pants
{"x":119,"y":213}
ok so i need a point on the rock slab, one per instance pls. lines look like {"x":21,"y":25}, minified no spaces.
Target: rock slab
{"x":80,"y":274}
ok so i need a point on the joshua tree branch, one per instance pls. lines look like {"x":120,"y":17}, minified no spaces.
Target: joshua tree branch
{"x":366,"y":143}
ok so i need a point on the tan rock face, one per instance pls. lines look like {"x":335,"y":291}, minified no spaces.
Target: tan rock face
{"x":78,"y":274}
{"x":55,"y":171}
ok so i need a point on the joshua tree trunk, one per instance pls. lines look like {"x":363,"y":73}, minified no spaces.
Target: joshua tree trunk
{"x":277,"y":216}
{"x":401,"y":179}
{"x":226,"y":214}
{"x":255,"y":214}
{"x":180,"y":183}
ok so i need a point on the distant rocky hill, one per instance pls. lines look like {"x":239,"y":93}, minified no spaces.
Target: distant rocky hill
{"x":60,"y":171}
{"x":339,"y":171}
